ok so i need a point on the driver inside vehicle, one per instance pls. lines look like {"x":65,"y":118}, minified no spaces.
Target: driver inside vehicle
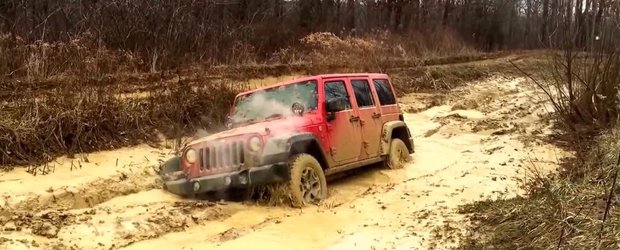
{"x":276,"y":102}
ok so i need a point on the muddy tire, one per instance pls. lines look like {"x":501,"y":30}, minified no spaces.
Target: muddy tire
{"x":307,"y":184}
{"x":399,"y":155}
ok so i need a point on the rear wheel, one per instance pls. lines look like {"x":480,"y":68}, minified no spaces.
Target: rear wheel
{"x":399,"y":154}
{"x":307,"y":184}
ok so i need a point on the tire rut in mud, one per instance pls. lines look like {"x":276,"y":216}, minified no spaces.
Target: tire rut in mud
{"x":118,"y":206}
{"x":113,"y":227}
{"x":87,"y":195}
{"x":129,"y":206}
{"x":236,"y":232}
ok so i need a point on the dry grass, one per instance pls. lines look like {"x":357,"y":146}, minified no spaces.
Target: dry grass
{"x":583,"y":88}
{"x":563,"y":212}
{"x":41,"y":60}
{"x":442,"y":74}
{"x":42,"y":119}
{"x":33,"y":130}
{"x":79,"y":96}
{"x":85,"y":56}
{"x":375,"y":52}
{"x":575,"y":208}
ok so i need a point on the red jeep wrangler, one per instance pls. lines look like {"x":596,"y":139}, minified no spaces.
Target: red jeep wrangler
{"x":297,"y":132}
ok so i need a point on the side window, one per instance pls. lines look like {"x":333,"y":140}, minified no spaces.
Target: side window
{"x":384,"y":91}
{"x":336,"y":89}
{"x":363,"y":95}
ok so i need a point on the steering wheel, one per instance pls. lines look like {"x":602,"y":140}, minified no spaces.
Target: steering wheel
{"x":297,"y":108}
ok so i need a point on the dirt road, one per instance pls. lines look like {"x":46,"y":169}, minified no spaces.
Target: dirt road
{"x":477,"y":142}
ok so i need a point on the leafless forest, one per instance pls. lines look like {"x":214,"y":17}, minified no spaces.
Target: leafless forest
{"x":82,"y":76}
{"x":171,"y":34}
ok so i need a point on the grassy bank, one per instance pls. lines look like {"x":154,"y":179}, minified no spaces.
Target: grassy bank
{"x":34,"y":130}
{"x":65,"y":103}
{"x":576,"y":207}
{"x":570,"y":210}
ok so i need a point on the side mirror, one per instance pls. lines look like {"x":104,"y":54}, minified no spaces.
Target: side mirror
{"x":331,"y":116}
{"x":336,"y":104}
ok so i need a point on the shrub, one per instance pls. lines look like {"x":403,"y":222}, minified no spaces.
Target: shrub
{"x":37,"y":129}
{"x":583,"y":89}
{"x":79,"y":57}
{"x":376,"y":51}
{"x":566,"y":212}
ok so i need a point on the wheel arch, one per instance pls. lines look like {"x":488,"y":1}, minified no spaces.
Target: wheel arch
{"x":308,"y":143}
{"x":392,"y":130}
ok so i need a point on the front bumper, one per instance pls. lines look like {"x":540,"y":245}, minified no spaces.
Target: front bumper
{"x":245,"y":178}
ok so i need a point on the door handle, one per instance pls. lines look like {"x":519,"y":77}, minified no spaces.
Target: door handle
{"x":376,"y":115}
{"x":354,"y":119}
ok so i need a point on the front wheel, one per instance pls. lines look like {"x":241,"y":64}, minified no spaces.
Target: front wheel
{"x":399,"y":154}
{"x":307,"y":184}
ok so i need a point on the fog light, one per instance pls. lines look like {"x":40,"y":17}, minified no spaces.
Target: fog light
{"x":227,"y":180}
{"x":196,"y":186}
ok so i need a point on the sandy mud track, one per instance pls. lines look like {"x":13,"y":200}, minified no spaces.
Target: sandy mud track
{"x":480,"y":141}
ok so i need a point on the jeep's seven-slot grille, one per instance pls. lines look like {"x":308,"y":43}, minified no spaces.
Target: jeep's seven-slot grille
{"x":222,"y":156}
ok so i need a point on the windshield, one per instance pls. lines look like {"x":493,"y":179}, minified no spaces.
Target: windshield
{"x":275,"y":102}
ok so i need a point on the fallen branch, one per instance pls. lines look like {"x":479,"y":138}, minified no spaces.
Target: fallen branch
{"x":610,"y":197}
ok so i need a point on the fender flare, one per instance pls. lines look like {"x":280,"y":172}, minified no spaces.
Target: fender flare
{"x":386,"y":135}
{"x":303,"y":138}
{"x":171,"y":165}
{"x":306,"y":140}
{"x":283,"y":147}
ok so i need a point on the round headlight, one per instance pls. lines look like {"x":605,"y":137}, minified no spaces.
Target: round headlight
{"x":255,"y":143}
{"x":190,"y":156}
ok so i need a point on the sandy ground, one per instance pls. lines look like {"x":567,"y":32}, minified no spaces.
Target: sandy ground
{"x":480,"y":141}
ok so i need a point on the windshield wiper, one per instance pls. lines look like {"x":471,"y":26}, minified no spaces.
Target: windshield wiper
{"x":245,"y":121}
{"x":254,"y":120}
{"x":273,"y":116}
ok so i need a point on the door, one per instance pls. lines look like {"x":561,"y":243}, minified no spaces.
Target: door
{"x":387,"y":100}
{"x":370,"y":117}
{"x":343,"y":130}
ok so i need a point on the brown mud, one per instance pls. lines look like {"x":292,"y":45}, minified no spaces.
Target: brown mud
{"x":479,"y":141}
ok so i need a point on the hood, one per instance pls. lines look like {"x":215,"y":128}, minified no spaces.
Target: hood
{"x":275,"y":127}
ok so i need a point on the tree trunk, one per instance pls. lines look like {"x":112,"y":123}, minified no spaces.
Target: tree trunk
{"x":545,"y":22}
{"x":351,"y":4}
{"x":398,"y":12}
{"x":446,"y":12}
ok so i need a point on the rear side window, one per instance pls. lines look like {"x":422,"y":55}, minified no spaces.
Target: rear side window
{"x":384,"y":91}
{"x":363,"y":96}
{"x":337,"y":89}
